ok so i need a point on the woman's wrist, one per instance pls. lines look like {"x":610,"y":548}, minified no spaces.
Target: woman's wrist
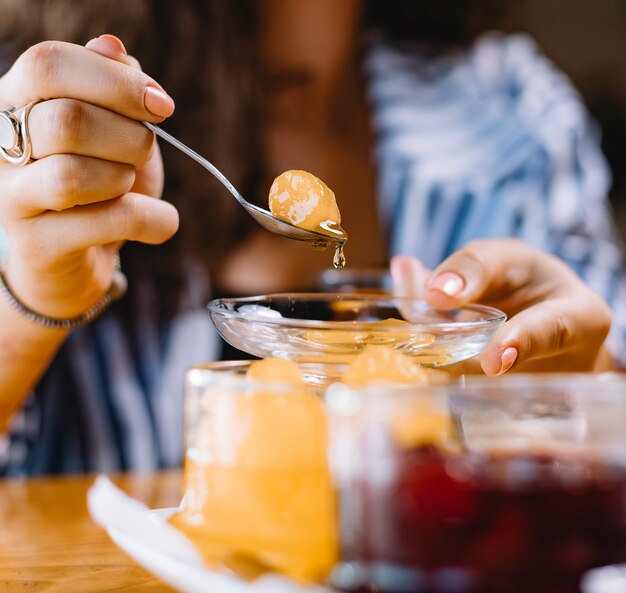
{"x":62,"y":303}
{"x":37,"y":318}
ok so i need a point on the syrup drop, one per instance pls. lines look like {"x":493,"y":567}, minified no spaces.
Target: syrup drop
{"x":339,"y":259}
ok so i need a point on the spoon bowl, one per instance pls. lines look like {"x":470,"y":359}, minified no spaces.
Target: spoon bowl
{"x":263,"y":217}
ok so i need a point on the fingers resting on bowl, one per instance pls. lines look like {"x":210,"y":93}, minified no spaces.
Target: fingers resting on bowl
{"x":556,"y":322}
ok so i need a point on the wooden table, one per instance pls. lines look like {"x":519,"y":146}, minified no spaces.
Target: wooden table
{"x":48,"y":543}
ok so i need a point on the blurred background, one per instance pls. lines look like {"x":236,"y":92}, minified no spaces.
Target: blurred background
{"x":587,"y":40}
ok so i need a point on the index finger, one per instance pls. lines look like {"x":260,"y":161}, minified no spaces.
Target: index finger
{"x":55,"y":69}
{"x":494,"y":269}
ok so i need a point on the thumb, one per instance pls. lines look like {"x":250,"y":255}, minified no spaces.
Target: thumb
{"x":110,"y":46}
{"x":408,"y":276}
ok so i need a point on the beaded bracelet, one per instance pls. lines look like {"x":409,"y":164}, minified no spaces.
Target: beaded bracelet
{"x":113,"y":293}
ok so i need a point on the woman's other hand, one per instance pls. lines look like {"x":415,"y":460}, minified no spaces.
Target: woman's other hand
{"x":95,"y":177}
{"x":556,"y":322}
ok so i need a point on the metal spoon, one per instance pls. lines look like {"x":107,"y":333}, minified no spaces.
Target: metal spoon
{"x":265,"y":218}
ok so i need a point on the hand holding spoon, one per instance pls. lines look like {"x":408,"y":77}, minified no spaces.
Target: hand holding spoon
{"x":265,"y":218}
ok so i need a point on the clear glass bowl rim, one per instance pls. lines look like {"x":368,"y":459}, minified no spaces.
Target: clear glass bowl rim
{"x":511,"y":386}
{"x":479,"y":385}
{"x":493,"y":315}
{"x":552,"y":378}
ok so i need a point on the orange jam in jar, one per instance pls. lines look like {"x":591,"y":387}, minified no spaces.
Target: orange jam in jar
{"x":258,"y":490}
{"x":416,"y":421}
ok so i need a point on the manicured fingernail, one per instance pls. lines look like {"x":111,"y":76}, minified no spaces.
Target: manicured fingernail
{"x":158,"y":102}
{"x":509,"y":356}
{"x":115,"y":40}
{"x":107,"y":45}
{"x":448,"y":283}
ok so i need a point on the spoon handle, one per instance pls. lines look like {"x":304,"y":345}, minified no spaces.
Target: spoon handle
{"x":199,"y":159}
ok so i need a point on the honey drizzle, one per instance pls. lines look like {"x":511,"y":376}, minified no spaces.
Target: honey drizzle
{"x":339,"y":259}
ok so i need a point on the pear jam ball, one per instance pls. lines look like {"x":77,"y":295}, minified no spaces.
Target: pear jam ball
{"x":303,"y":200}
{"x":258,"y":490}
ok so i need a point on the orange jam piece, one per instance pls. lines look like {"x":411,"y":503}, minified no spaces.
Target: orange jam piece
{"x":391,"y":322}
{"x":420,"y":419}
{"x":259,"y":495}
{"x":393,"y":331}
{"x":381,"y":364}
{"x":300,"y":198}
{"x":422,"y":423}
{"x":276,"y":370}
{"x":386,"y":333}
{"x":335,"y":337}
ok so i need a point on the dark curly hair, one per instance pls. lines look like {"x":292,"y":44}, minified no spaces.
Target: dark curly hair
{"x":204,"y":52}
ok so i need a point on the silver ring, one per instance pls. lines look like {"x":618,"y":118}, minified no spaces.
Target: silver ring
{"x":15,"y":143}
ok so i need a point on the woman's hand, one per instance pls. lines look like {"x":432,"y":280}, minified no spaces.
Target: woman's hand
{"x":556,"y":323}
{"x":95,"y":178}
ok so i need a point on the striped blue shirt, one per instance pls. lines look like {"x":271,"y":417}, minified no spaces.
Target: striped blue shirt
{"x":492,"y":142}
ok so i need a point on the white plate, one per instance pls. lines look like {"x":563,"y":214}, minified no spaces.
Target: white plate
{"x":608,"y":579}
{"x":188,"y":577}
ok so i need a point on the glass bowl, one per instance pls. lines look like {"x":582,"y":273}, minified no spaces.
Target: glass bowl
{"x":334,"y":327}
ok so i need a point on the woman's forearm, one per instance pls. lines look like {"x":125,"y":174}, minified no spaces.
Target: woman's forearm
{"x":25,"y":351}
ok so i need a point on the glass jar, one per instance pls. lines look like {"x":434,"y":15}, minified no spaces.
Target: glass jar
{"x":514,"y":484}
{"x":258,"y":493}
